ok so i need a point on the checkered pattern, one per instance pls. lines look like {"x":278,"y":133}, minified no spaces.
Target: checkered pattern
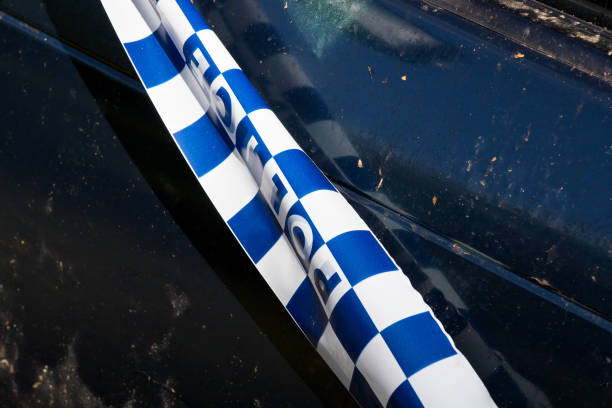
{"x":333,"y":276}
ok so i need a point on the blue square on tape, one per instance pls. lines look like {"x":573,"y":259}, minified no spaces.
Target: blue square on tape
{"x":202,"y":145}
{"x":404,"y":397}
{"x":255,"y":227}
{"x":306,"y":310}
{"x":416,"y":342}
{"x":192,"y":44}
{"x":352,"y":324}
{"x":195,"y":19}
{"x":301,"y":173}
{"x":245,"y":93}
{"x":155,"y":57}
{"x":360,"y":255}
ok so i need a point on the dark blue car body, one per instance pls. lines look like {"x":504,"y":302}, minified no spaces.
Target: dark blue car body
{"x":474,"y":138}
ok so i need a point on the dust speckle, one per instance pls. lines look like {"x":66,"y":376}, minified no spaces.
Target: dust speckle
{"x":4,"y":364}
{"x":179,"y":301}
{"x":579,"y":108}
{"x":551,"y":254}
{"x":371,"y":72}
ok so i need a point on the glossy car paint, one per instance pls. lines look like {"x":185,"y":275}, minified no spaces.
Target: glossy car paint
{"x":105,"y":299}
{"x":486,"y":173}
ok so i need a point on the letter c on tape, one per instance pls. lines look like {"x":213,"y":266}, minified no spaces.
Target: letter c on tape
{"x":298,"y":222}
{"x":223,"y":106}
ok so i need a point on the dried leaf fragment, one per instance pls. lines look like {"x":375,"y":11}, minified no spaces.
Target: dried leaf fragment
{"x":542,"y":282}
{"x":379,"y":184}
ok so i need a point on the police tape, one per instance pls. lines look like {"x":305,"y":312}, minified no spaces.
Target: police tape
{"x":333,"y":276}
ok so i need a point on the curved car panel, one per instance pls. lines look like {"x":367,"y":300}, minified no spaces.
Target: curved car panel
{"x":530,"y":349}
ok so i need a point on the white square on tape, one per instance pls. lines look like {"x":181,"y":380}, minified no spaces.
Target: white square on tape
{"x":389,"y":297}
{"x":380,"y":369}
{"x":229,"y":186}
{"x":129,"y":24}
{"x":175,"y":103}
{"x":282,"y":270}
{"x":335,"y":356}
{"x":331,"y":214}
{"x":272,"y":132}
{"x":177,"y":24}
{"x":451,"y":382}
{"x":219,"y":54}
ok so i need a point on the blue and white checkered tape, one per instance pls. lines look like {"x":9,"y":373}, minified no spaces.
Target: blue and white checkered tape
{"x":321,"y":260}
